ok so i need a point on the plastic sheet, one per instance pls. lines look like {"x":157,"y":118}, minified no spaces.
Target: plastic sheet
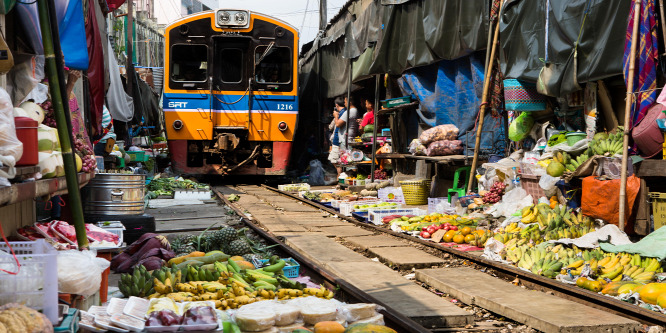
{"x":512,"y":201}
{"x":316,"y":173}
{"x":11,"y":148}
{"x":80,"y":272}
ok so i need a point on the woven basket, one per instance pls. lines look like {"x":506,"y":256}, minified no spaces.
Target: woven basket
{"x":522,"y":96}
{"x":416,"y":192}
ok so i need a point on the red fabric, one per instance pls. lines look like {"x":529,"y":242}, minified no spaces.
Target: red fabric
{"x":95,"y":69}
{"x":368,"y":118}
{"x":461,"y":247}
{"x":114,"y":4}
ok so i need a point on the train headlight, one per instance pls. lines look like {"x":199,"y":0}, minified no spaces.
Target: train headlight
{"x":223,"y":17}
{"x":282,"y":126}
{"x":240,"y":18}
{"x":177,"y":124}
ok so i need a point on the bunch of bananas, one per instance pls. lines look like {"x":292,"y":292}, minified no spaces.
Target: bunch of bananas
{"x":139,"y":283}
{"x":574,"y":163}
{"x":607,"y":145}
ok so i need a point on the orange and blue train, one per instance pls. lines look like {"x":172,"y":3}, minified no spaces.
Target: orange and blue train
{"x":230,"y":93}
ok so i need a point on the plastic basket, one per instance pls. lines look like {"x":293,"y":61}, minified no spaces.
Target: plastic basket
{"x":347,"y":207}
{"x":415,"y":191}
{"x":658,"y":209}
{"x":376,"y":216}
{"x":530,"y":184}
{"x":522,"y":96}
{"x":291,"y":269}
{"x":36,"y":285}
{"x":137,"y":156}
{"x":294,"y":187}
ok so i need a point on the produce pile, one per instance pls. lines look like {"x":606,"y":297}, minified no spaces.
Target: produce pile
{"x":228,"y":240}
{"x":63,"y":236}
{"x":603,"y":144}
{"x":545,"y":223}
{"x":446,"y":228}
{"x":166,"y":185}
{"x":495,"y":193}
{"x":19,"y":318}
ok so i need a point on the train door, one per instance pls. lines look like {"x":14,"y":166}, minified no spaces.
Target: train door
{"x":231,"y":82}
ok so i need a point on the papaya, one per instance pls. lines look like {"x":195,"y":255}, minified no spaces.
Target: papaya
{"x":588,"y":284}
{"x":368,"y":328}
{"x":629,"y":287}
{"x":651,"y":292}
{"x":198,"y":261}
{"x":329,"y":327}
{"x":245,"y":264}
{"x":178,"y":260}
{"x":301,"y":330}
{"x":661,"y":300}
{"x":237,"y":258}
{"x":613,"y":288}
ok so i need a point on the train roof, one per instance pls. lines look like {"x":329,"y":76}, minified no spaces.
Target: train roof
{"x":207,"y":12}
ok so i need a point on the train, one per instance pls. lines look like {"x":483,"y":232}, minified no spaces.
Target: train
{"x":230,"y":97}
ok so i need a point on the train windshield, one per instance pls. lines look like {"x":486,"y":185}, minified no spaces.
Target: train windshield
{"x":273,"y":67}
{"x":189,"y":63}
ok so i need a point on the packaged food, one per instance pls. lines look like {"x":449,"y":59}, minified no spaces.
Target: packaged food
{"x":127,"y":322}
{"x":417,"y":148}
{"x":377,"y":320}
{"x":444,"y":148}
{"x":200,"y":315}
{"x":255,"y":318}
{"x":163,"y":318}
{"x":438,"y":133}
{"x":98,"y":234}
{"x":354,"y":312}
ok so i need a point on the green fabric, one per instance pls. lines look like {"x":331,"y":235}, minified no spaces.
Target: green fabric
{"x":650,"y":246}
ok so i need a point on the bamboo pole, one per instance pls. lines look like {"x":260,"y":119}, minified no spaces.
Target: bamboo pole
{"x":64,"y":133}
{"x":627,"y":113}
{"x":484,"y":101}
{"x":374,"y":130}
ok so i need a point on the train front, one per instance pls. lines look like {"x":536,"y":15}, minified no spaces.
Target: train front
{"x":230,"y":96}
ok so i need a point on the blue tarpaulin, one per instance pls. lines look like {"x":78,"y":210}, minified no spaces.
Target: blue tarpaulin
{"x":450,"y":92}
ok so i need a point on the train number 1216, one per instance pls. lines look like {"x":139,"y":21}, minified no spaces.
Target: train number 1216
{"x":285,"y":107}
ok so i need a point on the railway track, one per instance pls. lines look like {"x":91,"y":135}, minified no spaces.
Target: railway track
{"x":510,"y":273}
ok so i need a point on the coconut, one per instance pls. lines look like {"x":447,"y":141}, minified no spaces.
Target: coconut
{"x":555,"y":169}
{"x":33,"y":111}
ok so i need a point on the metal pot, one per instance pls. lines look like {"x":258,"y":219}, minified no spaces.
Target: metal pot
{"x":115,"y":194}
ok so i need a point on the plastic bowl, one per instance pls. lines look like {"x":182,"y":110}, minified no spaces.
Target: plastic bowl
{"x":574,"y":137}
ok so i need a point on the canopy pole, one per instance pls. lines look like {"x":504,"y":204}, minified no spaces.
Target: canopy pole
{"x":374,"y":130}
{"x":484,"y":101}
{"x":64,"y":133}
{"x":349,"y":119}
{"x":627,"y":114}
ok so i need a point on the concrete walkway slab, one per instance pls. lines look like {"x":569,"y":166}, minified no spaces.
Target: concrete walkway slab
{"x":405,"y":257}
{"x":343,"y":231}
{"x":366,"y":242}
{"x":538,"y":310}
{"x":404,"y":296}
{"x":320,"y":248}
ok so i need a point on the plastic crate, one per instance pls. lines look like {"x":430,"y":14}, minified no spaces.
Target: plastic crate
{"x":376,"y":216}
{"x":530,"y":184}
{"x":291,"y":270}
{"x":658,"y":200}
{"x":294,"y":187}
{"x":347,"y":207}
{"x":36,"y":285}
{"x":137,"y":156}
{"x":393,"y":102}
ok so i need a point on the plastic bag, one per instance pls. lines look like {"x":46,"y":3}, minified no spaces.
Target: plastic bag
{"x":438,"y":133}
{"x":521,"y":126}
{"x":548,"y":182}
{"x":445,"y":147}
{"x":417,"y":148}
{"x":512,"y":201}
{"x":600,"y":199}
{"x":80,"y":272}
{"x":316,"y":173}
{"x":11,"y":148}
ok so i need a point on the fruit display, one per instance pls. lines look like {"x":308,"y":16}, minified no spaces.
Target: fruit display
{"x":607,"y":144}
{"x":557,"y":166}
{"x":412,"y":223}
{"x":19,"y":318}
{"x":494,"y":195}
{"x":545,"y":223}
{"x":85,"y":152}
{"x":235,"y":242}
{"x":375,"y":206}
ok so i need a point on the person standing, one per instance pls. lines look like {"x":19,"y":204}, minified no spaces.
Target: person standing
{"x":348,"y":133}
{"x":334,"y":154}
{"x":369,"y":116}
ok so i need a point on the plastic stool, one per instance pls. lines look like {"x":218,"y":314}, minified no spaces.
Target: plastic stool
{"x":457,"y":188}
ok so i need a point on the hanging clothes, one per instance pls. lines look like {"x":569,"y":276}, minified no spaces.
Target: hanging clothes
{"x":121,"y":105}
{"x":645,"y":75}
{"x":96,"y":71}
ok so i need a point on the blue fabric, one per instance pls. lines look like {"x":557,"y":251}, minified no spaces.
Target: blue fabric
{"x":450,"y":92}
{"x":72,"y":38}
{"x":336,"y":137}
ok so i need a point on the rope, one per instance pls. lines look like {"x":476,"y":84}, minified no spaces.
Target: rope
{"x":234,"y":102}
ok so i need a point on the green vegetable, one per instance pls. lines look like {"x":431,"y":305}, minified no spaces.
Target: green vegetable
{"x":233,"y":198}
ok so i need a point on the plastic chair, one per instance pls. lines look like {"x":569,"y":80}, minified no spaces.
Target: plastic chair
{"x":459,"y":176}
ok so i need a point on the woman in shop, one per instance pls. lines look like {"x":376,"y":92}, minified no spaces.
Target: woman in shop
{"x":336,"y":137}
{"x":348,"y":133}
{"x":369,"y":116}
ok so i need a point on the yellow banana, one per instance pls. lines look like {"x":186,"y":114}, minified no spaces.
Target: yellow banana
{"x":576,"y":264}
{"x":638,"y":271}
{"x":613,"y":274}
{"x":604,"y":261}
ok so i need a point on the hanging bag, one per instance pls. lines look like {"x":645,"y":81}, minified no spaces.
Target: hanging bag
{"x":6,"y":57}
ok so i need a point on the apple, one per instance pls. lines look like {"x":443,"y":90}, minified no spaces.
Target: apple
{"x":431,"y":229}
{"x":424,"y":228}
{"x":445,"y":228}
{"x":425,"y":234}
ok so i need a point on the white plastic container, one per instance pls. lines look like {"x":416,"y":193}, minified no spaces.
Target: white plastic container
{"x":128,"y":322}
{"x":136,"y":307}
{"x":36,"y":285}
{"x":376,"y":215}
{"x":191,"y":194}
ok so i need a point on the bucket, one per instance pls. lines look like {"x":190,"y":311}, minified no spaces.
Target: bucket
{"x":26,"y":132}
{"x":574,"y":137}
{"x":115,"y":194}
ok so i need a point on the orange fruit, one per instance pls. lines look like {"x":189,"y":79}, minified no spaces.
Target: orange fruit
{"x":459,"y":238}
{"x":466,"y":231}
{"x":448,"y":236}
{"x":469,"y":238}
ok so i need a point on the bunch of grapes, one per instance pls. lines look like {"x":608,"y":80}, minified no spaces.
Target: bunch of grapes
{"x":495,"y":193}
{"x":380,"y":174}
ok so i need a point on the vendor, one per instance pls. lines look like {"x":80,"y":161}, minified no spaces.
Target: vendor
{"x":369,"y":116}
{"x":104,"y":145}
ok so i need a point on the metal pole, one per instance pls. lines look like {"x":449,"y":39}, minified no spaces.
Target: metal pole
{"x":349,"y":84}
{"x":374,"y":131}
{"x":129,"y":47}
{"x":484,"y":103}
{"x":627,"y":114}
{"x":64,"y":134}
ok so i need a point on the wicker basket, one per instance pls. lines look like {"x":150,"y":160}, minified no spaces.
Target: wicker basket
{"x":530,"y":184}
{"x":522,"y":96}
{"x":416,"y":192}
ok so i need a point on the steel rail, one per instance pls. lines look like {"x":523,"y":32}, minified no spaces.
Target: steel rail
{"x":393,"y":318}
{"x":533,"y":281}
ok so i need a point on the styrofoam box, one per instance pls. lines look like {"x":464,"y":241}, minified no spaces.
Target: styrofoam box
{"x":36,"y":285}
{"x":289,"y":187}
{"x":376,"y":216}
{"x":385,"y":194}
{"x":190,"y":194}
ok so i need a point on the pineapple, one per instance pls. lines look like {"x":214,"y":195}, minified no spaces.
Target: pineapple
{"x":239,"y":247}
{"x":183,"y":244}
{"x":223,"y":237}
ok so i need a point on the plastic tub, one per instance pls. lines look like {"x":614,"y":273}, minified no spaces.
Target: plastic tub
{"x":26,"y":132}
{"x":574,"y":137}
